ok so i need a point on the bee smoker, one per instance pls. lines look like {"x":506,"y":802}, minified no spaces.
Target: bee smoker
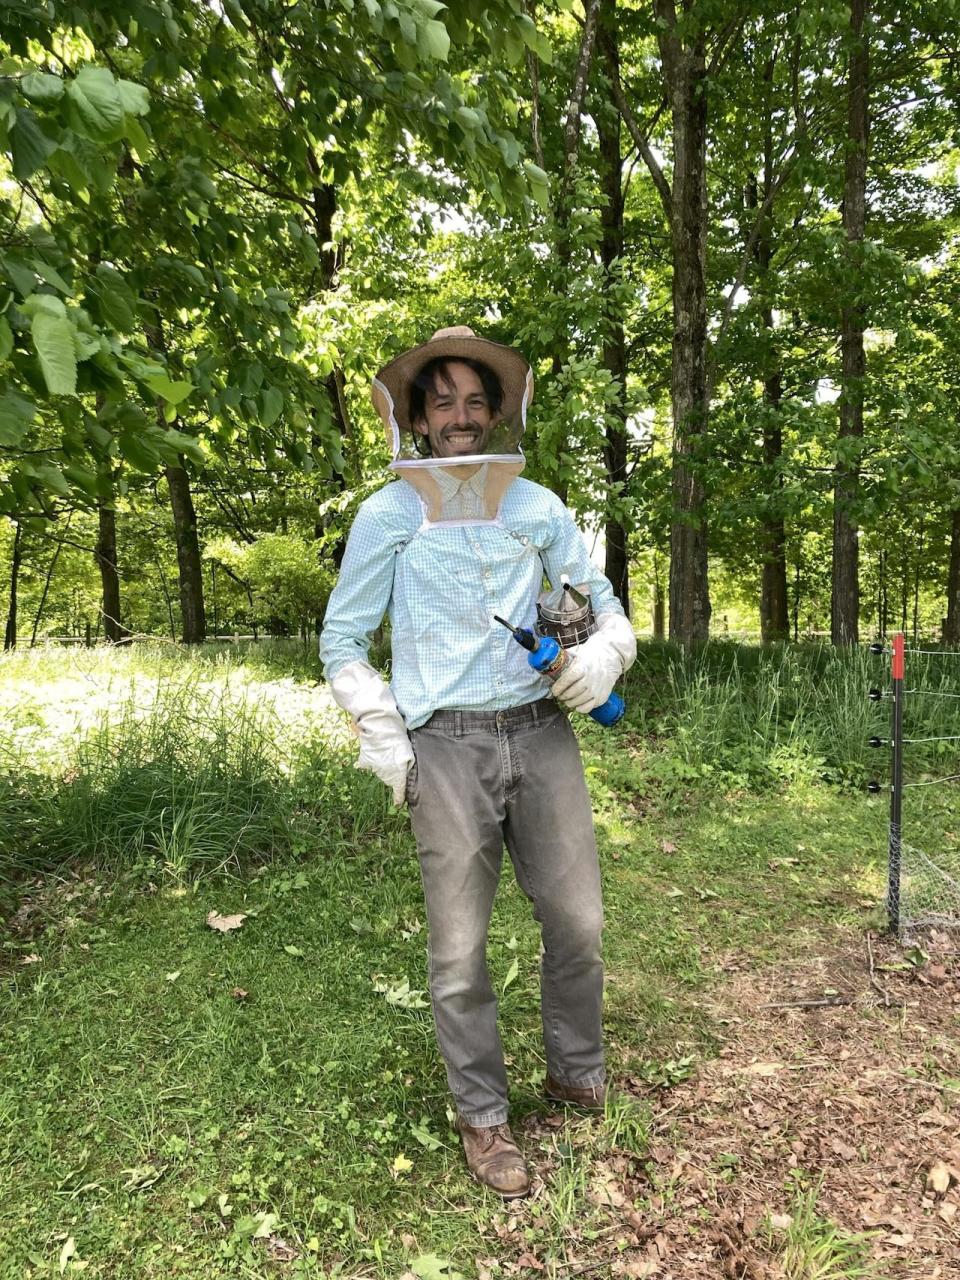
{"x":565,"y":618}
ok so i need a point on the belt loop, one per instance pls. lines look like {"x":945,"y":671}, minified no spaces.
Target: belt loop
{"x":536,"y":713}
{"x":458,"y":724}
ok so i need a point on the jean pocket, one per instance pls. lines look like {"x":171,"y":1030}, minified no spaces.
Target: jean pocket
{"x":411,"y":788}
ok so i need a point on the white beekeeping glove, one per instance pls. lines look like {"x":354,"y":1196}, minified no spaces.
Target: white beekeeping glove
{"x":595,"y":666}
{"x":384,"y":746}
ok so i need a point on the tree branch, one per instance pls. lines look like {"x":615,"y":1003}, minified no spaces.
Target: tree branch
{"x":571,"y":129}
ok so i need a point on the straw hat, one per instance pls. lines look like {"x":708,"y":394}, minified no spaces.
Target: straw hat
{"x":456,"y":343}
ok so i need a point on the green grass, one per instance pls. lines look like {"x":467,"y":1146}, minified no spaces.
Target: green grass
{"x":155,"y":1122}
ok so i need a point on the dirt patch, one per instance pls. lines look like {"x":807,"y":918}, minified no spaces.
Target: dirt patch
{"x":838,"y":1082}
{"x":843,"y":1069}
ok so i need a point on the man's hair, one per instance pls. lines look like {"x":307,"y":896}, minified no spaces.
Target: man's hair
{"x":436,"y":370}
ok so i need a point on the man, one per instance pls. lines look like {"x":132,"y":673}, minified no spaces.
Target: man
{"x":467,"y":732}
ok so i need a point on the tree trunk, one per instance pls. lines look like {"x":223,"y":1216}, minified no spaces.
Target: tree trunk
{"x":106,"y":557}
{"x":845,"y":595}
{"x":774,"y":609}
{"x":193,"y":614}
{"x":685,"y":72}
{"x":10,"y":633}
{"x":189,"y":566}
{"x":951,"y":630}
{"x":658,"y":602}
{"x":46,"y":587}
{"x":614,"y":352}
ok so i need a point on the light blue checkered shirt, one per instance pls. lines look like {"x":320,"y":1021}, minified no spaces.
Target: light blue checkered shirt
{"x":441,"y":586}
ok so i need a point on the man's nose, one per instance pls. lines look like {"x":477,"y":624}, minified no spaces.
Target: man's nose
{"x":461,"y":412}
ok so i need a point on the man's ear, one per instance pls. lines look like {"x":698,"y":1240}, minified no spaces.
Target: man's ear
{"x":419,"y":424}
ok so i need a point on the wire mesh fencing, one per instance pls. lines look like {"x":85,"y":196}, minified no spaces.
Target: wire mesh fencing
{"x":923,"y":883}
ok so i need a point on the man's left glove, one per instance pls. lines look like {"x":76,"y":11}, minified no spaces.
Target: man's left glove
{"x":384,"y":746}
{"x":596,"y":665}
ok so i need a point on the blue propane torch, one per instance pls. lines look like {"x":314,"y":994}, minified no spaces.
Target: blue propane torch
{"x":545,"y":655}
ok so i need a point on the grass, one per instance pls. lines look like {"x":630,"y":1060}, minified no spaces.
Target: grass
{"x":814,"y":1248}
{"x":155,"y":1121}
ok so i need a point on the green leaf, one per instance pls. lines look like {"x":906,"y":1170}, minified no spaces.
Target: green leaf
{"x":468,"y":118}
{"x":53,"y":339}
{"x":65,"y":165}
{"x":41,"y":87}
{"x":97,"y":108}
{"x":183,"y":443}
{"x":528,"y":31}
{"x":29,"y":144}
{"x":22,"y":277}
{"x":429,"y":1267}
{"x":139,"y":450}
{"x":167,"y":389}
{"x":117,"y":304}
{"x":52,"y":478}
{"x":82,"y":478}
{"x":16,"y":415}
{"x":6,"y":338}
{"x":134,"y":97}
{"x":137,"y":137}
{"x":272,"y":402}
{"x":511,"y":973}
{"x":438,"y":41}
{"x":291,"y":950}
{"x":46,"y":272}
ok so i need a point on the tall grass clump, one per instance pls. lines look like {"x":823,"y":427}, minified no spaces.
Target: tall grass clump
{"x":752,"y":716}
{"x":184,"y":774}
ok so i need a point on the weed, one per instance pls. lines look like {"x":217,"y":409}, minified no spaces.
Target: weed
{"x":814,"y":1248}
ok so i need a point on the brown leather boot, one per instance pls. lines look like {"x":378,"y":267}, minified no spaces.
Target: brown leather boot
{"x":592,"y":1097}
{"x":494,"y":1158}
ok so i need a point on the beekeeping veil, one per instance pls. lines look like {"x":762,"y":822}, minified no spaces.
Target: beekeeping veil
{"x":489,"y":472}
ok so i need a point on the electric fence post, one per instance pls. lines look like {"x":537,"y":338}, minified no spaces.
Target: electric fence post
{"x":895,"y":848}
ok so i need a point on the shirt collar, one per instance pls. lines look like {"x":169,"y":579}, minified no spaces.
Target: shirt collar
{"x":450,"y":486}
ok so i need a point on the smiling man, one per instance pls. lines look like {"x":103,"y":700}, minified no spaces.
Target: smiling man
{"x":466,"y":732}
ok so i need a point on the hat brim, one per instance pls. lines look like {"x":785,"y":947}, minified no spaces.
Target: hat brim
{"x":507,"y":363}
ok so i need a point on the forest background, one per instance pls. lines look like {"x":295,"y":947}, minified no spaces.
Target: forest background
{"x":725,"y":237}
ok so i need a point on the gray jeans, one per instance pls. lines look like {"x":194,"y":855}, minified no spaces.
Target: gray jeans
{"x":483,"y":779}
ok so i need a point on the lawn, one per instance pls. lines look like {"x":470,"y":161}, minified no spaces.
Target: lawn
{"x":268,"y":1100}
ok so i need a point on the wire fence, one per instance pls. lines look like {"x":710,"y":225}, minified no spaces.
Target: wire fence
{"x":923,"y":885}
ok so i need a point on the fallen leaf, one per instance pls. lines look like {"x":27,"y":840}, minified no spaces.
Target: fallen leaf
{"x":842,"y":1149}
{"x":947,"y":1212}
{"x":528,"y":1260}
{"x":938,"y":1178}
{"x":238,"y":993}
{"x":291,"y":950}
{"x":224,"y":924}
{"x":67,"y":1252}
{"x":781,"y":1221}
{"x":31,"y":959}
{"x":172,"y":977}
{"x":401,"y":1164}
{"x":900,"y":1239}
{"x":763,"y":1068}
{"x":668,"y":846}
{"x":280,"y":1250}
{"x":429,"y":1267}
{"x":638,"y":1268}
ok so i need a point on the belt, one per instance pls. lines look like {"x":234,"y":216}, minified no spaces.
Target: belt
{"x":459,"y":722}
